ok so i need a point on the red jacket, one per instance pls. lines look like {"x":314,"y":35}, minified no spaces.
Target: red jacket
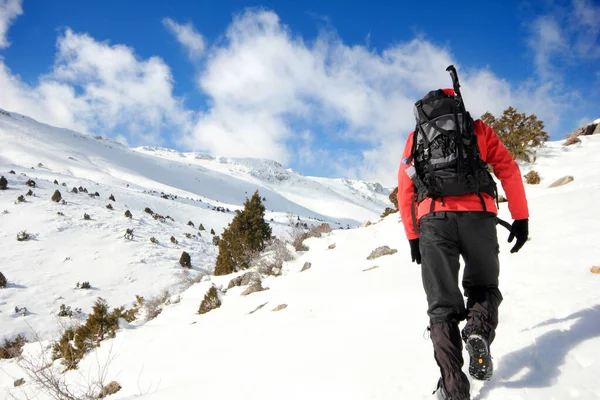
{"x":493,"y":152}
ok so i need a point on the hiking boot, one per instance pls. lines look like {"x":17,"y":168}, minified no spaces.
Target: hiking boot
{"x":481,"y":366}
{"x":443,"y":395}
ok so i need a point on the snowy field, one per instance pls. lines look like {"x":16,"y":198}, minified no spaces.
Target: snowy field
{"x":352,"y":329}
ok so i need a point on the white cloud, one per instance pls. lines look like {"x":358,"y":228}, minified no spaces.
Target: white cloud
{"x":267,"y":87}
{"x":270,"y":94}
{"x":187,"y":35}
{"x":9,"y":10}
{"x":100,"y":88}
{"x":565,"y":36}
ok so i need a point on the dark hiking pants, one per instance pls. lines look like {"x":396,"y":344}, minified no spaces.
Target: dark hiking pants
{"x":444,"y":238}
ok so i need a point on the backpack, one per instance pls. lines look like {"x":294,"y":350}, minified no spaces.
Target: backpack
{"x":445,"y":154}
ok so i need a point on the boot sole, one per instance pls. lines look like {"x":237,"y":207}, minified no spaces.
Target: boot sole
{"x":481,"y":366}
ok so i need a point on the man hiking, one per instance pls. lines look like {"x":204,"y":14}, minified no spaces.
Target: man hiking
{"x":447,"y":201}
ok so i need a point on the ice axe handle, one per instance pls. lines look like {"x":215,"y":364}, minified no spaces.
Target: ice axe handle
{"x":454,"y":77}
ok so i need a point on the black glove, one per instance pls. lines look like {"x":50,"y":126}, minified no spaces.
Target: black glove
{"x":415,"y":252}
{"x":519,"y":230}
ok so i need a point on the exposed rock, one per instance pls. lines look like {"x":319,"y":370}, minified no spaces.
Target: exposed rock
{"x":249,"y":278}
{"x":562,"y":181}
{"x":595,"y":269}
{"x":280,"y":307}
{"x":256,"y":286}
{"x":372,"y":268}
{"x":589,"y":129}
{"x":596,"y":130}
{"x":366,"y":223}
{"x":571,"y":140}
{"x":109,"y":389}
{"x":19,"y":382}
{"x":380,"y":252}
{"x":258,"y":308}
{"x":331,"y":246}
{"x":306,"y":266}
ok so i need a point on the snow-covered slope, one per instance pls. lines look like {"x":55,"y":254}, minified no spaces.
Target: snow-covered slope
{"x":352,"y":328}
{"x":224,"y":182}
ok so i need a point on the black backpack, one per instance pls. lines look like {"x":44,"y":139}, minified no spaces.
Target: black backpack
{"x":446,"y":157}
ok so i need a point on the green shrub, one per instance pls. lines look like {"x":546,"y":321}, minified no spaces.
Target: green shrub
{"x":185,"y":260}
{"x":23,"y":235}
{"x":56,"y":197}
{"x":211,"y":301}
{"x":12,"y":348}
{"x":75,"y":343}
{"x":246,"y":235}
{"x":532,"y":178}
{"x":84,"y":285}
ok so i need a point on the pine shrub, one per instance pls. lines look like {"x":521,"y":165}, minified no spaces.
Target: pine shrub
{"x":29,"y":193}
{"x":394,"y":198}
{"x":55,"y":182}
{"x":211,"y":301}
{"x":21,"y":199}
{"x":86,"y":217}
{"x":216,"y":240}
{"x":173,"y":240}
{"x":74,"y":190}
{"x":246,"y":235}
{"x":109,"y":206}
{"x":128,"y":214}
{"x":64,"y":184}
{"x":387,"y":212}
{"x":201,"y":227}
{"x":532,"y":178}
{"x":12,"y":348}
{"x":185,"y":260}
{"x":101,"y":324}
{"x":190,"y":223}
{"x":65,"y":311}
{"x":3,"y":281}
{"x":56,"y":197}
{"x":60,"y":213}
{"x":3,"y":183}
{"x":128,"y":234}
{"x":147,"y":210}
{"x":154,"y":240}
{"x":30,"y":183}
{"x":84,"y":285}
{"x":22,"y":236}
{"x":521,"y":134}
{"x":12,"y":172}
{"x":112,"y":198}
{"x":212,"y":232}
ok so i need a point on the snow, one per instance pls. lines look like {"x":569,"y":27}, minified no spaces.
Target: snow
{"x":349,"y":330}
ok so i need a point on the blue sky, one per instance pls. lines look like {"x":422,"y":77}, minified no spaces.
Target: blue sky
{"x":324,"y":87}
